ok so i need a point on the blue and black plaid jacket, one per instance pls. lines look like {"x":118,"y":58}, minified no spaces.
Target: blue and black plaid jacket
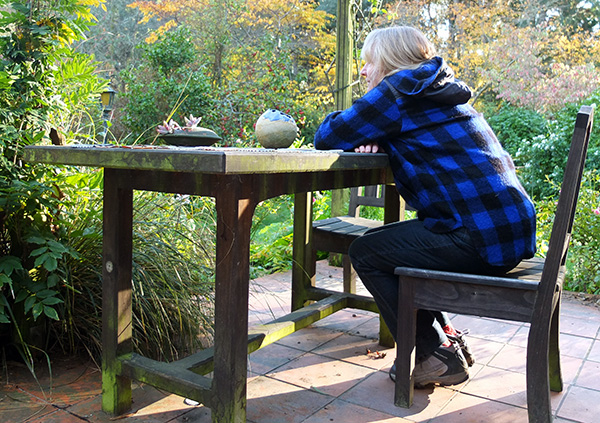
{"x":447,"y":162}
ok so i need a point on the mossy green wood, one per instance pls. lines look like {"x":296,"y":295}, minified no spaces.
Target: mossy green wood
{"x":181,"y":377}
{"x":116,"y":294}
{"x":212,"y":160}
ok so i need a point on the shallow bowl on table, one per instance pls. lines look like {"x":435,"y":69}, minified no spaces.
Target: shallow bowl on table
{"x":199,"y":137}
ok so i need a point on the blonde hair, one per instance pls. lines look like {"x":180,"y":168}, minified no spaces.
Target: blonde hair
{"x":396,"y":48}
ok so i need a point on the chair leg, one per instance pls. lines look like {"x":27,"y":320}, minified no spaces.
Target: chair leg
{"x":555,"y":373}
{"x":538,"y":380}
{"x":385,"y":335}
{"x":349,"y":275}
{"x":405,"y":346}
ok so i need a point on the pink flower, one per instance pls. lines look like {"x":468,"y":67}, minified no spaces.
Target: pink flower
{"x":597,"y":211}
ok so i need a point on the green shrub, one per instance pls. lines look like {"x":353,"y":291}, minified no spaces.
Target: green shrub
{"x":544,"y":156}
{"x":272,"y":232}
{"x":583,"y":262}
{"x":44,"y":86}
{"x":167,"y":81}
{"x":514,"y":124}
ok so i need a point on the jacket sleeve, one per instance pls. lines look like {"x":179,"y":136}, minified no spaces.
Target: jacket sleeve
{"x":371,"y":119}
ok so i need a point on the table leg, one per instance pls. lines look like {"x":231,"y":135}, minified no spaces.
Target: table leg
{"x":116,"y":292}
{"x":303,"y":263}
{"x":234,"y":219}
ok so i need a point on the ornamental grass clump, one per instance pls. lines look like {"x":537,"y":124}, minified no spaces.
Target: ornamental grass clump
{"x":172,"y":276}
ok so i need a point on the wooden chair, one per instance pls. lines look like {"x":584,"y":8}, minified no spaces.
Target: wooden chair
{"x":337,"y":233}
{"x":530,"y":293}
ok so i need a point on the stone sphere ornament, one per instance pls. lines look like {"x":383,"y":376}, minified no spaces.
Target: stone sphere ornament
{"x":275,"y":129}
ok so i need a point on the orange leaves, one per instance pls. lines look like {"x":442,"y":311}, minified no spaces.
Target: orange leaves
{"x":375,"y":355}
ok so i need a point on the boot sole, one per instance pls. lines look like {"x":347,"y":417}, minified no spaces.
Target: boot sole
{"x":443,"y":380}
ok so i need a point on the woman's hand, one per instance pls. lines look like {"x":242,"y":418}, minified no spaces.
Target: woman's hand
{"x":369,"y":148}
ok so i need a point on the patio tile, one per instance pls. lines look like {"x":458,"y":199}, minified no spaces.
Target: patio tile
{"x":484,"y":350}
{"x":198,"y":414}
{"x":511,"y":358}
{"x":579,"y":326}
{"x":256,"y":318}
{"x":368,"y":329}
{"x":492,"y":329}
{"x":325,"y":270}
{"x":57,"y":416}
{"x":588,"y":378}
{"x":342,"y":411}
{"x":270,"y":304}
{"x":581,"y":405}
{"x":67,"y":381}
{"x":271,"y":400}
{"x":570,"y":368}
{"x":335,"y":283}
{"x":25,"y":413}
{"x":377,"y":392}
{"x":498,"y":384}
{"x":309,"y":338}
{"x":357,"y":350}
{"x":595,"y":351}
{"x":319,"y":373}
{"x":271,"y":357}
{"x":520,"y":338}
{"x":276,"y":282}
{"x":343,"y":320}
{"x":323,"y":374}
{"x":575,"y":346}
{"x":579,"y":305}
{"x":468,"y":408}
{"x":149,"y":405}
{"x":505,"y":386}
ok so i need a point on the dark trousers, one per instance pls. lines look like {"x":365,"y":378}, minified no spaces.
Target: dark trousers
{"x":376,"y":254}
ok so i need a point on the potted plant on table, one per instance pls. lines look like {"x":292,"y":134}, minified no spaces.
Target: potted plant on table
{"x":190,"y":135}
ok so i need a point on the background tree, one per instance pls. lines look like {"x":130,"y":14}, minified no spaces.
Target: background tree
{"x":526,"y":53}
{"x":258,"y":55}
{"x":114,"y":39}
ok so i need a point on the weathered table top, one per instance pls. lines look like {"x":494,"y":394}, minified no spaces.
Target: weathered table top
{"x":217,"y":160}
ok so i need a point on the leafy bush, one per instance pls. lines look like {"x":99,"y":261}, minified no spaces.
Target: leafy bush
{"x":512,"y":125}
{"x":583,"y":262}
{"x":543,"y":157}
{"x":272,"y":232}
{"x":36,"y":61}
{"x":167,"y":81}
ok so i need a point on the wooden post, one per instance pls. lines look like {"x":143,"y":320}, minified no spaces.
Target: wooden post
{"x":234,"y":220}
{"x":343,"y":57}
{"x":116,"y":293}
{"x":303,"y":266}
{"x":342,"y":93}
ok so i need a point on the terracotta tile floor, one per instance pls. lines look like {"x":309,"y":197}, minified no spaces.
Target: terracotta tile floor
{"x":323,"y":374}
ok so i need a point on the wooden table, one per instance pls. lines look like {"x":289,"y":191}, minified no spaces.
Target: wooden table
{"x":238,"y":179}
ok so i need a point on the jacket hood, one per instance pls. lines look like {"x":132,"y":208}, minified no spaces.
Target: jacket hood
{"x":433,"y":80}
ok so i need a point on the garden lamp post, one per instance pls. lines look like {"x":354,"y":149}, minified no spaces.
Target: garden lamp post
{"x":107,"y":98}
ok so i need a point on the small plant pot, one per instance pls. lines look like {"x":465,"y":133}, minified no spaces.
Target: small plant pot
{"x":275,"y":129}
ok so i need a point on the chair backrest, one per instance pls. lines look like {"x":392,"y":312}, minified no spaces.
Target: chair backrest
{"x":567,"y":203}
{"x":372,"y":196}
